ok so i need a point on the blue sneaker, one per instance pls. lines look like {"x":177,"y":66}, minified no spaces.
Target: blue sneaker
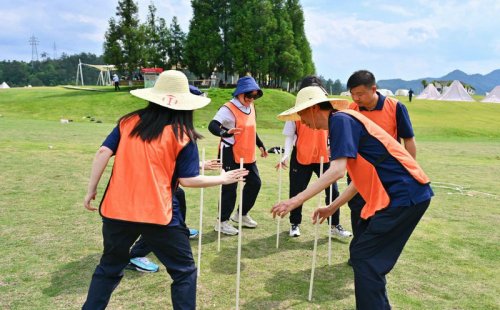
{"x":193,"y":233}
{"x":143,"y":264}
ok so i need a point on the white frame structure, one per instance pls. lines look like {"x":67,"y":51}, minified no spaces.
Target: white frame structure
{"x":104,"y":73}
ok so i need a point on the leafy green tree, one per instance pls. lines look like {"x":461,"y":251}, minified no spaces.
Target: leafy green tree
{"x":287,"y":65}
{"x":163,"y":43}
{"x":176,"y":46}
{"x":204,"y":44}
{"x":152,"y":53}
{"x":124,"y":42}
{"x":337,"y":87}
{"x":301,"y":43}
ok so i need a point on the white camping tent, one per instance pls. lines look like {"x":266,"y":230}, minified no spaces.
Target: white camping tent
{"x":345,"y":93}
{"x":402,"y":92}
{"x":493,"y":96}
{"x":385,"y":92}
{"x":430,"y":92}
{"x":4,"y":85}
{"x":456,"y":92}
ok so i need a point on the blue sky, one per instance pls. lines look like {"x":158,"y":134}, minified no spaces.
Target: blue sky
{"x":417,"y":39}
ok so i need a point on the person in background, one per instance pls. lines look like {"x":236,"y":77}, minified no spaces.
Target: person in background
{"x":116,"y":82}
{"x":235,"y":124}
{"x":397,"y":191}
{"x":410,"y":94}
{"x":308,"y":147}
{"x":386,"y":112}
{"x":155,"y":151}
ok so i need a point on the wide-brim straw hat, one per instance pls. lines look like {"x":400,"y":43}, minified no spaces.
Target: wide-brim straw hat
{"x":307,"y":97}
{"x":171,"y":90}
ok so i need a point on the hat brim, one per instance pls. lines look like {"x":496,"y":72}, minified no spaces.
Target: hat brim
{"x":291,"y":114}
{"x":174,"y":101}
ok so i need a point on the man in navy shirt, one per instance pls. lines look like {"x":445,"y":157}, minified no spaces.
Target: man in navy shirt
{"x":388,"y":113}
{"x":382,"y":170}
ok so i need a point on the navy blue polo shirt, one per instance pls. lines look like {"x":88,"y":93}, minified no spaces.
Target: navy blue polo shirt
{"x":403,"y":123}
{"x":186,"y":166}
{"x":348,"y":138}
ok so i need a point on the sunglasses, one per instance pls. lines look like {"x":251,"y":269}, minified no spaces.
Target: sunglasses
{"x":251,"y":95}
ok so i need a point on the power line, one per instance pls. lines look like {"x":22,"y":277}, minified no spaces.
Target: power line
{"x":34,"y":51}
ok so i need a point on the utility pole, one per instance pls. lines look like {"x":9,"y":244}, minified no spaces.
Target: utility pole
{"x":34,"y":51}
{"x":55,"y":51}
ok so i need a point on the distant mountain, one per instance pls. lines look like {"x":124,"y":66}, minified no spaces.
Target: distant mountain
{"x":482,"y":83}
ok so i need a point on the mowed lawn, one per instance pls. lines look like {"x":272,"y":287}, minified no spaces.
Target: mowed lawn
{"x":51,"y":244}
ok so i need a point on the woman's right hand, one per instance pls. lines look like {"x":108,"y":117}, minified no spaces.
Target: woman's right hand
{"x":233,"y":176}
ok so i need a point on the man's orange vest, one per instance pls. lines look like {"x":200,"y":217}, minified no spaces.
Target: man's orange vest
{"x":244,"y":143}
{"x":311,"y":144}
{"x":140,"y":186}
{"x":385,"y":118}
{"x":365,"y":176}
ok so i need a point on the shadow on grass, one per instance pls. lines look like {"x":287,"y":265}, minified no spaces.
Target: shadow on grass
{"x":330,"y":283}
{"x":74,"y":277}
{"x":267,"y":246}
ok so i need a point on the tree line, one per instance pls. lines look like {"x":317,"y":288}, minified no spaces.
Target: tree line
{"x":264,"y":38}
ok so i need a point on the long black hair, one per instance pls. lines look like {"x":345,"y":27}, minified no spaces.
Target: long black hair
{"x":154,"y":118}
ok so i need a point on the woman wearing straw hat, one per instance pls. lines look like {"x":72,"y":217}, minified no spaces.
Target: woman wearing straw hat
{"x":155,"y":151}
{"x":396,"y":190}
{"x":309,"y":145}
{"x":235,"y":124}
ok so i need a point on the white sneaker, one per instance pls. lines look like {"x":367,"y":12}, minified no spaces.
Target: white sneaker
{"x":246,"y":221}
{"x":294,"y":230}
{"x":340,"y":232}
{"x":226,"y":228}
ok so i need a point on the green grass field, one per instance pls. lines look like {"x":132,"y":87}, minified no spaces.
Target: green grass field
{"x":51,"y":244}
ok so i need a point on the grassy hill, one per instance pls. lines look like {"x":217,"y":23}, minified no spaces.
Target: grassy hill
{"x":432,"y":119}
{"x":51,"y":244}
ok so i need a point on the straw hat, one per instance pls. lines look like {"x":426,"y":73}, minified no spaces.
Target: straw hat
{"x":307,"y":97}
{"x":171,"y":90}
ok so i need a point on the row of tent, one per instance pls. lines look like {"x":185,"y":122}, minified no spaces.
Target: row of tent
{"x":454,"y":92}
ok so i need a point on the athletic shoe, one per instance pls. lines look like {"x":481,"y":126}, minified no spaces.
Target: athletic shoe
{"x":193,"y":233}
{"x":226,"y":228}
{"x":294,"y":230}
{"x":143,"y":264}
{"x":339,"y":231}
{"x":246,"y":221}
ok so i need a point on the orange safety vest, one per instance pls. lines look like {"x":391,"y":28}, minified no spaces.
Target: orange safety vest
{"x":365,"y":176}
{"x":385,"y":118}
{"x":311,"y":144}
{"x":244,"y":143}
{"x":140,"y":186}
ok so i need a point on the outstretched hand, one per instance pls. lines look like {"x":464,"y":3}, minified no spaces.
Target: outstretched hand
{"x":282,"y":208}
{"x":282,"y":166}
{"x":212,"y":164}
{"x":322,"y":214}
{"x":233,"y":176}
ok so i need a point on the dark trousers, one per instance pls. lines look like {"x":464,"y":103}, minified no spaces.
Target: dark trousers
{"x":250,"y":189}
{"x":141,"y":247}
{"x":299,"y":177}
{"x":117,"y":86}
{"x":169,"y":244}
{"x":376,"y":249}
